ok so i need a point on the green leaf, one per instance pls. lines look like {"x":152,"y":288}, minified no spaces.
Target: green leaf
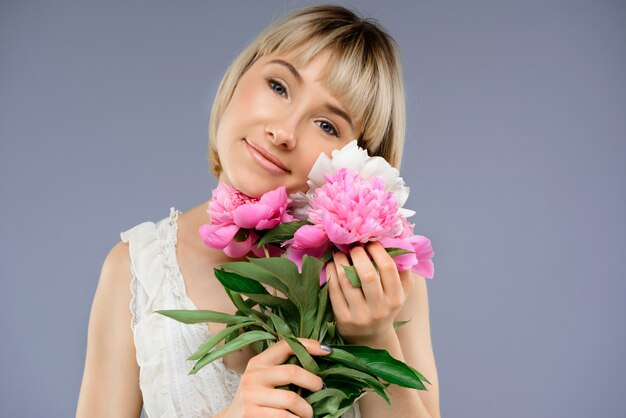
{"x":199,"y":316}
{"x":282,"y":268}
{"x":421,"y":376}
{"x":237,"y":283}
{"x":215,"y":339}
{"x":327,"y":406}
{"x":243,"y":308}
{"x":342,"y":356}
{"x":322,"y":302}
{"x":383,"y":365}
{"x":285,"y":305}
{"x":346,"y":404}
{"x":328,"y":255}
{"x":350,"y":388}
{"x":397,"y":251}
{"x":237,"y":344}
{"x":399,"y":324}
{"x":325,"y":393}
{"x":311,"y":268}
{"x":281,"y":233}
{"x":347,"y":392}
{"x":280,"y":325}
{"x":370,"y":380}
{"x":352,"y":276}
{"x":382,"y":394}
{"x":254,"y":272}
{"x":331,"y":330}
{"x":258,"y":346}
{"x":322,"y":332}
{"x":241,"y":235}
{"x":303,"y":355}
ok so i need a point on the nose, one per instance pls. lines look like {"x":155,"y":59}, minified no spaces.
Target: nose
{"x":280,"y":134}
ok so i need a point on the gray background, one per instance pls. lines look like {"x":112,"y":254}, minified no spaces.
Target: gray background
{"x":516,"y":156}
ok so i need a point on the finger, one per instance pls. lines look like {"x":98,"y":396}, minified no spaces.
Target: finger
{"x":370,"y":281}
{"x":281,"y":400}
{"x":280,"y":352}
{"x":276,"y":413}
{"x":337,"y":299}
{"x":353,"y":295}
{"x":389,"y":276}
{"x":286,"y":374}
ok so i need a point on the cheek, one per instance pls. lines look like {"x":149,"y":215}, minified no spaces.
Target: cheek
{"x":311,"y":155}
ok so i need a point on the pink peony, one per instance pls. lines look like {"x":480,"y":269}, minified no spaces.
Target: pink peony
{"x":419,"y":261}
{"x":231,"y":211}
{"x":347,"y":210}
{"x":350,"y":209}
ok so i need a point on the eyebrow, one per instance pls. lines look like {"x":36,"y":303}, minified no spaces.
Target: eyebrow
{"x":290,"y":67}
{"x":340,"y":113}
{"x":331,"y":108}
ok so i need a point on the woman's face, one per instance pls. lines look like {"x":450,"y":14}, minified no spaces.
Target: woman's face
{"x":282,"y":113}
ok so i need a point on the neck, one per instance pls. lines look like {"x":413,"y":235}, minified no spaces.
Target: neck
{"x":188,"y":225}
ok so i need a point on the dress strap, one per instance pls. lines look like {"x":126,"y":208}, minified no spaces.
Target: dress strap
{"x":174,"y":216}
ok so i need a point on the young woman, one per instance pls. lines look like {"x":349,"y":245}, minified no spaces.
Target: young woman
{"x":309,"y":84}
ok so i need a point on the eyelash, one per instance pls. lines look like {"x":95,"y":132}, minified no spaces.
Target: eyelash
{"x":273,"y":84}
{"x":335,"y":131}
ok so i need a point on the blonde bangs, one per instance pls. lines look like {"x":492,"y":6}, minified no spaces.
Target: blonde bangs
{"x":363,"y":72}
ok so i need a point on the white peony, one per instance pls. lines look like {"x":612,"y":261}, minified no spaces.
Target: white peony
{"x":356,"y":158}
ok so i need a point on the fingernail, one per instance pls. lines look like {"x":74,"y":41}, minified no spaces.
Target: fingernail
{"x":326,"y":348}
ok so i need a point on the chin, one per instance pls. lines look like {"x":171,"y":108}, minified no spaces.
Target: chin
{"x":254,"y":190}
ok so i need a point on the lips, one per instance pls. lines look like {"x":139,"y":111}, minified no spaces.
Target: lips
{"x":265,"y":158}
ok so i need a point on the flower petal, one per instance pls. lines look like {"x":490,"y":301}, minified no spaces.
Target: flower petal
{"x":350,"y":156}
{"x":337,"y":234}
{"x":407,"y":213}
{"x":379,"y":167}
{"x":424,"y":253}
{"x":238,"y":249}
{"x":296,"y":255}
{"x":321,"y":166}
{"x":275,"y":199}
{"x":250,"y":214}
{"x":218,"y":236}
{"x":424,"y":268}
{"x":310,"y":236}
{"x":403,"y":261}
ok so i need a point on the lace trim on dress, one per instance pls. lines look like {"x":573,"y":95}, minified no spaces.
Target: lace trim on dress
{"x":169,"y":251}
{"x":167,"y":236}
{"x":132,"y":306}
{"x":167,"y":241}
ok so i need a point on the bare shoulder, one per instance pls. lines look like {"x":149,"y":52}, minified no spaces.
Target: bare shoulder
{"x":116,"y":266}
{"x":110,"y":385}
{"x":118,"y":255}
{"x":112,"y":298}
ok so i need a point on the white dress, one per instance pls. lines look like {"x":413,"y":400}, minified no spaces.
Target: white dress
{"x":163,"y":344}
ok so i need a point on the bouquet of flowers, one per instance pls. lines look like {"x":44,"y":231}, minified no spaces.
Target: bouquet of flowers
{"x":352,"y":199}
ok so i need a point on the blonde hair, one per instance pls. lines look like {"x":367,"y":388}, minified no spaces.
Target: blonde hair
{"x":363,"y":71}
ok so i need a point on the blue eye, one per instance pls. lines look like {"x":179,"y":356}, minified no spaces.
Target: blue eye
{"x":277,"y":87}
{"x":328,"y":128}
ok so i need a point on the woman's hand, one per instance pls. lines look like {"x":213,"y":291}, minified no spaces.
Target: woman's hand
{"x":257,"y":395}
{"x":365,"y":315}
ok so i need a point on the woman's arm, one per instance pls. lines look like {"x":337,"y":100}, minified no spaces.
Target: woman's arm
{"x":411,"y":344}
{"x":110,"y":386}
{"x":365,"y":316}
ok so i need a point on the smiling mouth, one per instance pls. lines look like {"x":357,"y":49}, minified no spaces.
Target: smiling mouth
{"x":264,"y":161}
